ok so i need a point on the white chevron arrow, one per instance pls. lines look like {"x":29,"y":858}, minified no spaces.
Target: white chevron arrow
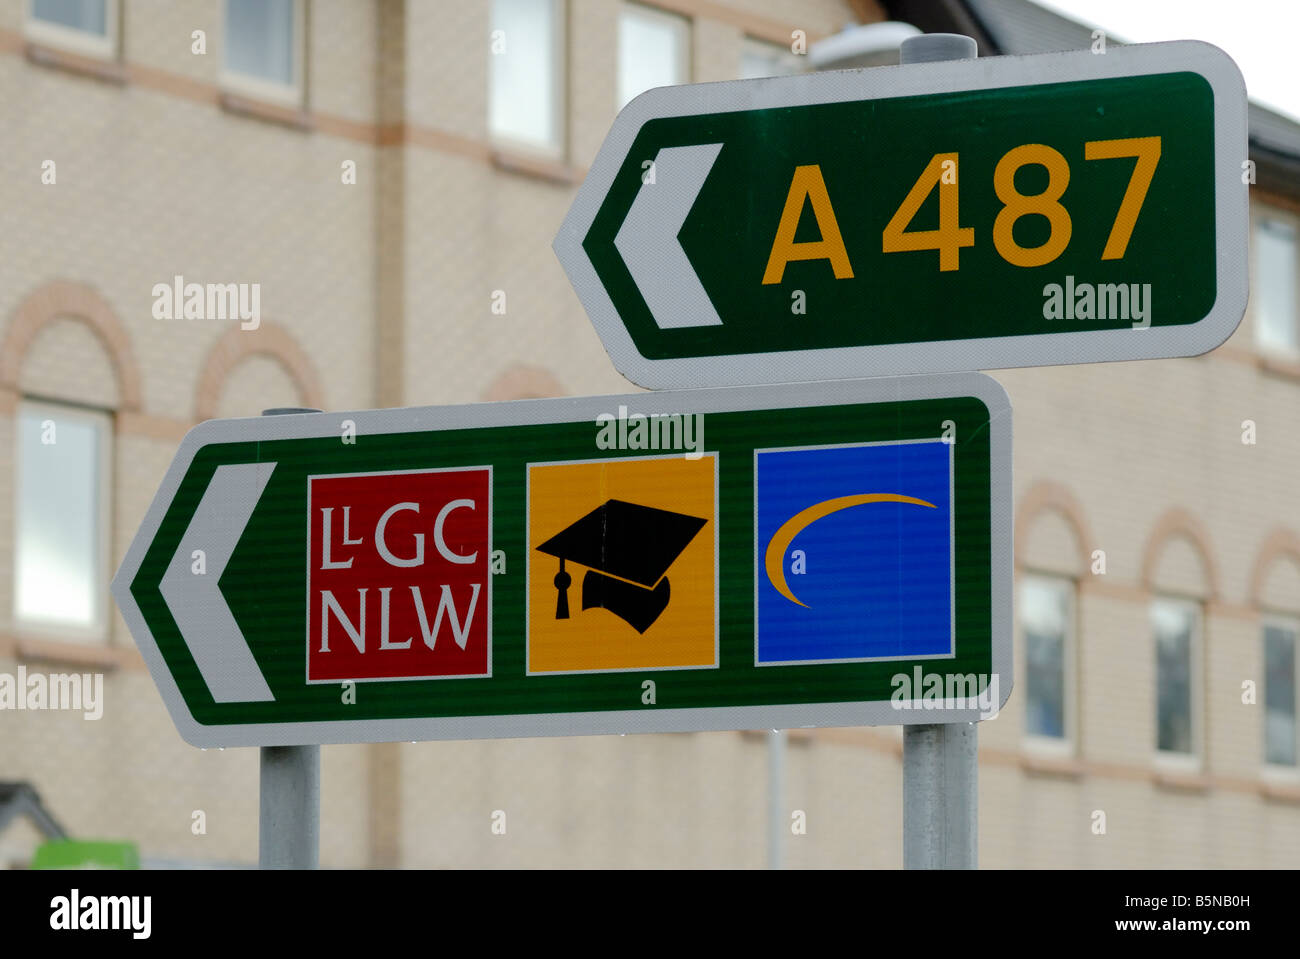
{"x":205,"y":621}
{"x":648,"y":242}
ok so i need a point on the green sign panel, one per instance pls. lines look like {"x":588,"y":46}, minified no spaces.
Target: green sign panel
{"x":811,"y":554}
{"x":1010,"y":211}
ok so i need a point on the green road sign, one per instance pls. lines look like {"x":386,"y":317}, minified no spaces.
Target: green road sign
{"x":811,"y":554}
{"x":960,"y":215}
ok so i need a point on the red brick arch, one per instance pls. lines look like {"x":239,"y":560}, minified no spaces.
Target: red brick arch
{"x":1279,"y":543}
{"x":1047,"y":496}
{"x":1173,"y":523}
{"x":81,"y":302}
{"x":236,"y":345}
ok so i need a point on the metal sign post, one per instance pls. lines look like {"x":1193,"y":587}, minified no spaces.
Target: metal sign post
{"x":288,"y":834}
{"x":776,"y":815}
{"x":940,"y":808}
{"x":940,"y":763}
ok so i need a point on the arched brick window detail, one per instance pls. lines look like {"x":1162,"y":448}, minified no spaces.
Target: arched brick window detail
{"x":1275,"y":578}
{"x":78,"y":302}
{"x":235,"y":346}
{"x":1178,"y":557}
{"x":1047,"y":502}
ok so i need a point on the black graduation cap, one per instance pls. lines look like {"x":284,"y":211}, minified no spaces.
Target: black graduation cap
{"x":627,"y":549}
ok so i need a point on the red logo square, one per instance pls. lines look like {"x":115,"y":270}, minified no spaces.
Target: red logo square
{"x":398,"y":585}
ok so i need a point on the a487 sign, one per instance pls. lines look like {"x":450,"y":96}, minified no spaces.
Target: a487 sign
{"x":960,"y":215}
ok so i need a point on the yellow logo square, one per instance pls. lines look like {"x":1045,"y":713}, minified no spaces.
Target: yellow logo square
{"x":622,"y":564}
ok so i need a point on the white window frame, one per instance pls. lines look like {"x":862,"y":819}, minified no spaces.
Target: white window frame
{"x":257,"y":88}
{"x":98,"y":628}
{"x":1190,"y":762}
{"x":1259,"y":214}
{"x":554,"y":148}
{"x":76,"y":41}
{"x":1291,"y":623}
{"x":683,"y":24}
{"x":1066,"y":745}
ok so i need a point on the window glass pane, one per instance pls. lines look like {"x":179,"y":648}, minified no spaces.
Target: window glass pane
{"x":760,"y":59}
{"x":652,"y":51}
{"x":259,"y":39}
{"x":57,"y":569}
{"x":87,"y":15}
{"x":524,"y":72}
{"x":1174,"y":625}
{"x":1045,"y":618}
{"x":1279,"y":695}
{"x":1275,"y":298}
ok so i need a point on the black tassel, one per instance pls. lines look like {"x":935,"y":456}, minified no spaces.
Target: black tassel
{"x":562,"y":581}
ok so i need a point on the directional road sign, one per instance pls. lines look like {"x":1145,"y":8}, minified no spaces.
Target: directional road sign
{"x":832,"y":554}
{"x":961,"y":215}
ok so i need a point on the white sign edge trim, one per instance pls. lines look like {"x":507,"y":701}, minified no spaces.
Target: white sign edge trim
{"x":1004,"y":352}
{"x":567,"y":410}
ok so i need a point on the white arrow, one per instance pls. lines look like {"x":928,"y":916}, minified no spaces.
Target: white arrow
{"x":648,"y":242}
{"x":205,"y":621}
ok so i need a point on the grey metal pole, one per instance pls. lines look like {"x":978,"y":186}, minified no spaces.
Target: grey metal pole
{"x":940,"y":762}
{"x":940,"y":808}
{"x":776,"y":819}
{"x":289,"y":811}
{"x":289,"y":827}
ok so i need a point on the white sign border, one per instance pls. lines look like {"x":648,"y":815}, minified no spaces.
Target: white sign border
{"x":651,"y":719}
{"x":1002,"y":352}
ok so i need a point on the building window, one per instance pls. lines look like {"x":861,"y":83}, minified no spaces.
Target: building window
{"x":83,"y":26}
{"x":263,"y":49}
{"x":1046,"y":606}
{"x":61,"y":518}
{"x":654,"y":50}
{"x":1279,"y":692}
{"x":1275,"y":296}
{"x":758,"y":58}
{"x":1177,"y":625}
{"x":527,"y":63}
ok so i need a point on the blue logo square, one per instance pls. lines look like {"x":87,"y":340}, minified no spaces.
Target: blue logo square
{"x":855,"y":553}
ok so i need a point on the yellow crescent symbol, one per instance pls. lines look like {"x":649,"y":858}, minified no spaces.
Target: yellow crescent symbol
{"x":799,"y":521}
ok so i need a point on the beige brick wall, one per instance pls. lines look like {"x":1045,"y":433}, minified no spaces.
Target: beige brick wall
{"x":158,"y":34}
{"x":343,"y":58}
{"x":593,"y":77}
{"x":199,"y":193}
{"x":715,"y":51}
{"x":447,"y":67}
